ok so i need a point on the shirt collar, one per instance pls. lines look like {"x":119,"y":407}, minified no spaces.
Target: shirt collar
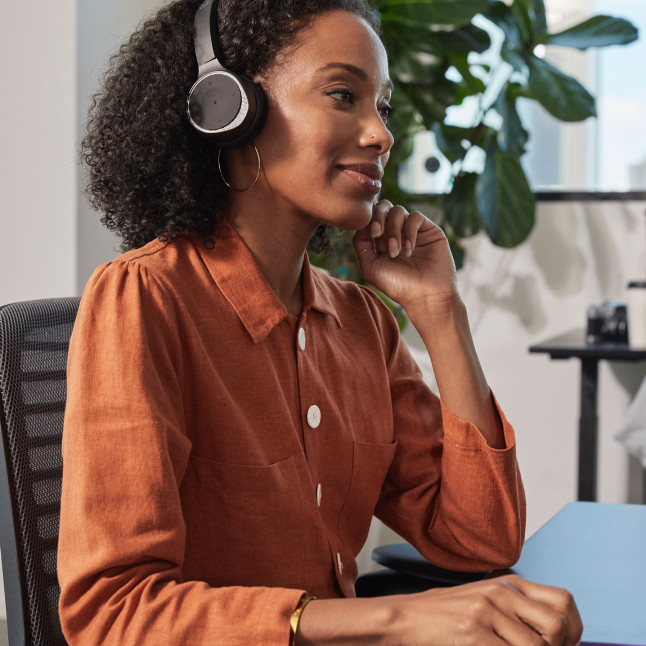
{"x":237,"y":275}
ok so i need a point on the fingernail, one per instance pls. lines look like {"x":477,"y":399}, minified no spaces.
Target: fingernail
{"x":408,"y":248}
{"x":393,"y":247}
{"x":375,"y":229}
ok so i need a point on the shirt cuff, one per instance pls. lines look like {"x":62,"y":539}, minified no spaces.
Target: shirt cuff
{"x":466,"y":435}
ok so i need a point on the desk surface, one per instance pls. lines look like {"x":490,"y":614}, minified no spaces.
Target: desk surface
{"x":598,"y":553}
{"x":572,"y":344}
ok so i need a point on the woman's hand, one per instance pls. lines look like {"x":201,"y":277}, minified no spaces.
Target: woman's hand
{"x":405,"y":255}
{"x":507,"y":610}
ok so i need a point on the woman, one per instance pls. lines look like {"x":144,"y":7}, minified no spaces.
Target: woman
{"x":234,"y":417}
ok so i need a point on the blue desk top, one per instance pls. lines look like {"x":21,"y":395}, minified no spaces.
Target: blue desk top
{"x":598,"y":553}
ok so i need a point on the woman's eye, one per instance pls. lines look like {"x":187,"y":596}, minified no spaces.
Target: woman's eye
{"x":387,"y":111}
{"x":343,"y":95}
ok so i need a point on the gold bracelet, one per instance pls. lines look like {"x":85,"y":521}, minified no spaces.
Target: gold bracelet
{"x":296,"y":616}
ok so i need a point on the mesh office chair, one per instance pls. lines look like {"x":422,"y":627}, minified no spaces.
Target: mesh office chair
{"x":34,"y":339}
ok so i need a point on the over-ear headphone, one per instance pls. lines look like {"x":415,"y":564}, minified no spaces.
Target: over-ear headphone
{"x":227,"y":108}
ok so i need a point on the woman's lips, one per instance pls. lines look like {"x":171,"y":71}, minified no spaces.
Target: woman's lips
{"x":367,"y":176}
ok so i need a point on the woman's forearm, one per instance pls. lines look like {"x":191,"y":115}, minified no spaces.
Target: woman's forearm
{"x":348,"y":621}
{"x":444,"y":329}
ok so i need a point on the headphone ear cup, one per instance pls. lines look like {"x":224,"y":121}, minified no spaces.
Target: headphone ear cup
{"x":226,"y":108}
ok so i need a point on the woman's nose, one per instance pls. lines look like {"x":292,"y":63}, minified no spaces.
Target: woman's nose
{"x":375,"y":133}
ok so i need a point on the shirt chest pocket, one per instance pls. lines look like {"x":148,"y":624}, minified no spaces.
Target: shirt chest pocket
{"x":239,"y":519}
{"x":370,"y":464}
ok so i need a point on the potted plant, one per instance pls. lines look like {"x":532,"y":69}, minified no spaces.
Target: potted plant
{"x":433,"y":47}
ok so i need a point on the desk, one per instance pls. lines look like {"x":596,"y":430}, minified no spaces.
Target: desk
{"x":572,"y":344}
{"x":598,"y":553}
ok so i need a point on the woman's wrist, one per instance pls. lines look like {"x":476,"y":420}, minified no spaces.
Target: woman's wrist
{"x":434,"y":316}
{"x":341,"y":621}
{"x":296,"y":617}
{"x":437,"y":308}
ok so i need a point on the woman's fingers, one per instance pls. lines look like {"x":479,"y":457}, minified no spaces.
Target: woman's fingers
{"x":517,"y":612}
{"x":549,"y":612}
{"x":412,"y":225}
{"x":554,"y":612}
{"x":379,"y":214}
{"x":392,"y":237}
{"x":394,"y":230}
{"x":513,"y":631}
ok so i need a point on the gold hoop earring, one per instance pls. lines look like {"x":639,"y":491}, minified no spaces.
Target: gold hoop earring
{"x":224,"y":179}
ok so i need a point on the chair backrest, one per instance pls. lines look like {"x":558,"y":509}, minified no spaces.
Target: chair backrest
{"x":34,"y":340}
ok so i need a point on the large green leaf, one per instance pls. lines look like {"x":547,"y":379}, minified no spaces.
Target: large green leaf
{"x":409,"y":40}
{"x":403,"y":126}
{"x":449,"y":140}
{"x":513,"y":45}
{"x":561,"y":95}
{"x":599,"y":31}
{"x":430,"y":103}
{"x":505,"y":200}
{"x":512,"y":137}
{"x":461,"y":206}
{"x":431,"y":12}
{"x":502,"y":15}
{"x":472,"y":84}
{"x":457,"y":250}
{"x":520,"y":11}
{"x":465,"y":39}
{"x":535,"y":12}
{"x":409,"y":68}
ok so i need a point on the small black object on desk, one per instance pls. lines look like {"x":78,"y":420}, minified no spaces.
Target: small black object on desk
{"x":573,"y":344}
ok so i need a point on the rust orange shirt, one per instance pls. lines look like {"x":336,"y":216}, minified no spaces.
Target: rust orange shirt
{"x":222,"y":457}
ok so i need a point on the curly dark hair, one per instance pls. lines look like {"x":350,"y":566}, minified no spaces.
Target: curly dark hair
{"x":149,"y":171}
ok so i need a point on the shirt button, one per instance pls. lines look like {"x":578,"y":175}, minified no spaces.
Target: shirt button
{"x":338,"y":562}
{"x":318,"y":494}
{"x":313,"y":416}
{"x":301,"y":338}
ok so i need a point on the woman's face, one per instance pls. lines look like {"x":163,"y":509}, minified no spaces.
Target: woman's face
{"x":325,"y":142}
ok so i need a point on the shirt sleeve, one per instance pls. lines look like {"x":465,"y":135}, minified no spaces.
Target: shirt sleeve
{"x":460,"y":502}
{"x":125,"y":451}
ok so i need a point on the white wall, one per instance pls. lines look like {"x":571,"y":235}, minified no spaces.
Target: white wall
{"x":37,"y":156}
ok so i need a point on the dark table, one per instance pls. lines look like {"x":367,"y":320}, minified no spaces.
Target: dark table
{"x":572,"y":344}
{"x":598,"y":553}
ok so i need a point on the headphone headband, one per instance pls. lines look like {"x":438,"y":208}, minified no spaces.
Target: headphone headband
{"x":207,"y":45}
{"x":227,"y":108}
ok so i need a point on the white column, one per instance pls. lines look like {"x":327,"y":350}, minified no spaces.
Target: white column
{"x":38,"y":167}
